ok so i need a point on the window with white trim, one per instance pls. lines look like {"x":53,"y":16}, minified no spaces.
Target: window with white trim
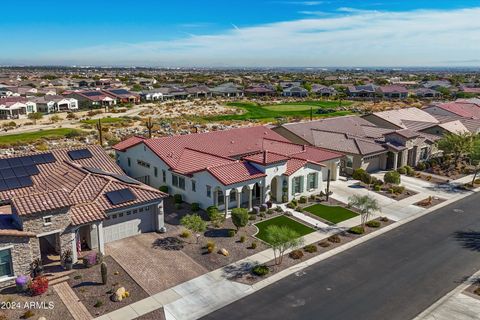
{"x":312,"y":180}
{"x":194,"y":186}
{"x":47,"y":220}
{"x":209,"y":191}
{"x":178,"y":181}
{"x":143,"y":163}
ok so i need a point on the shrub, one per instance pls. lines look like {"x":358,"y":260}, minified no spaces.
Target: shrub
{"x":398,"y":189}
{"x":334,"y":238}
{"x":402,"y":170}
{"x":384,"y":219}
{"x":185,"y":234}
{"x":373,"y":224}
{"x":252,"y":217}
{"x":242,"y":239}
{"x":356,"y":230}
{"x":278,"y":209}
{"x":291,"y":205}
{"x":295,"y":202}
{"x":163,"y":189}
{"x":324,"y":244}
{"x":231,"y":233}
{"x":260,"y":270}
{"x":296,"y":254}
{"x":98,"y":304}
{"x":377,"y":187}
{"x":299,"y":209}
{"x":358,"y":174}
{"x":90,"y":259}
{"x":215,"y":216}
{"x":392,"y":177}
{"x":178,"y":198}
{"x":302,"y":199}
{"x":421,"y":166}
{"x":38,"y":286}
{"x":253,"y":245}
{"x":410,"y":171}
{"x":194,"y":207}
{"x":240,"y":217}
{"x":270,"y":211}
{"x":263,"y":208}
{"x":311,"y":248}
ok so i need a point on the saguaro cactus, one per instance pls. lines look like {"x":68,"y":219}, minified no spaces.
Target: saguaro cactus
{"x":149,"y":125}
{"x":100,"y":133}
{"x":103,"y":270}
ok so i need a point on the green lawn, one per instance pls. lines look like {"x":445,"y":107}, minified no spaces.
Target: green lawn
{"x":254,"y":111}
{"x":334,"y":214}
{"x":300,"y":228}
{"x":30,"y":137}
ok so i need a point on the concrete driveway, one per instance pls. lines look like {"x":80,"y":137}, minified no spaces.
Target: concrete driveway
{"x":152,"y":268}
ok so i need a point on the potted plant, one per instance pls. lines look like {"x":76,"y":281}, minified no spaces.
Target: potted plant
{"x":22,"y":283}
{"x":67,"y":259}
{"x":36,"y":268}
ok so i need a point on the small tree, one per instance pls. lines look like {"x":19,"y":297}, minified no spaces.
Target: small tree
{"x":215,"y":216}
{"x":475,"y":158}
{"x":282,"y":238}
{"x":194,"y":223}
{"x":34,"y":116}
{"x":240,"y":217}
{"x":366,"y":205}
{"x":55,"y":118}
{"x":456,"y":145}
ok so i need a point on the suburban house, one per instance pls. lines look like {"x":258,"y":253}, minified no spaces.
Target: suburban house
{"x":153,"y":95}
{"x":364,"y":144}
{"x":323,"y":91}
{"x":123,"y":95}
{"x":68,"y":199}
{"x":199,"y":91}
{"x":295,"y":91}
{"x":16,"y":107}
{"x":393,"y":92}
{"x":50,"y":104}
{"x":426,"y":93}
{"x":470,"y":90}
{"x":259,"y":91}
{"x":362,"y":92}
{"x":227,"y":90}
{"x":92,"y":98}
{"x":437,"y":84}
{"x":241,"y":167}
{"x":462,"y":109}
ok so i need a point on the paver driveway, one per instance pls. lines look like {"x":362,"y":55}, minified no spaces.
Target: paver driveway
{"x":153,"y":269}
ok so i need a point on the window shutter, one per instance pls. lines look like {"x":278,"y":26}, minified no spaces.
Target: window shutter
{"x":301,"y":184}
{"x":315,"y":177}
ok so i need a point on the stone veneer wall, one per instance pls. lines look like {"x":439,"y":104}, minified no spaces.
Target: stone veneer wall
{"x":22,"y":250}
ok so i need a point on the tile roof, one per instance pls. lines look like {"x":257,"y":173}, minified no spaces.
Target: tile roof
{"x":397,"y":116}
{"x":462,"y":109}
{"x":213,"y":151}
{"x":266,"y":157}
{"x":293,"y":165}
{"x":235,"y":172}
{"x":67,"y":183}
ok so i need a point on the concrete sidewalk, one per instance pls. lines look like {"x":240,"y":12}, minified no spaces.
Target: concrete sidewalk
{"x":209,"y":292}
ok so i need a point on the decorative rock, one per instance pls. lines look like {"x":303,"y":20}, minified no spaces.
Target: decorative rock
{"x":224,"y":252}
{"x":119,"y":294}
{"x":42,"y":318}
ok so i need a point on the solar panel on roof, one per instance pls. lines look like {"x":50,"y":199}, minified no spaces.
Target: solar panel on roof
{"x":79,"y":154}
{"x":32,"y":170}
{"x":20,"y":172}
{"x":26,"y":161}
{"x":3,"y":185}
{"x":114,"y":197}
{"x":120,"y":196}
{"x":7,"y":173}
{"x":127,"y":195}
{"x":92,"y":93}
{"x":25,"y":182}
{"x":4,"y":164}
{"x":48,"y":157}
{"x":14,"y":162}
{"x":12,"y":183}
{"x":37,"y":158}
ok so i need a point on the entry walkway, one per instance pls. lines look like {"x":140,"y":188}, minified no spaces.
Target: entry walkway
{"x":71,"y":301}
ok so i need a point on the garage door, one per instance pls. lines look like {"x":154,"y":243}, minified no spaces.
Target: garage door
{"x":127,"y":225}
{"x":372,"y":164}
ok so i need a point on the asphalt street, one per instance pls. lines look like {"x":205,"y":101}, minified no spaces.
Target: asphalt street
{"x":394,"y":276}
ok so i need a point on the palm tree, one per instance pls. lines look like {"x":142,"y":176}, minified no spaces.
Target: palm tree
{"x":365,"y":204}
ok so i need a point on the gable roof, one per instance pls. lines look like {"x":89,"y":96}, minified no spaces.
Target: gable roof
{"x":397,"y":116}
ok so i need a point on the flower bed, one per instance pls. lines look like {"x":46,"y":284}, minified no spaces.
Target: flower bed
{"x":429,"y":202}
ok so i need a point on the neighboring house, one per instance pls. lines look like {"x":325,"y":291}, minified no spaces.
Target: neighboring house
{"x":153,"y":95}
{"x":233,"y":168}
{"x":16,"y":108}
{"x":393,"y":92}
{"x":471,"y":90}
{"x":437,"y":84}
{"x":362,"y":92}
{"x":227,"y":90}
{"x":7,"y":92}
{"x":91,"y":98}
{"x":365,"y":145}
{"x":50,"y":104}
{"x":462,"y":109}
{"x":123,"y":95}
{"x":295,"y":91}
{"x":200,"y":91}
{"x":323,"y":91}
{"x":426,"y":93}
{"x":259,"y":91}
{"x":395,"y":119}
{"x":76,"y":199}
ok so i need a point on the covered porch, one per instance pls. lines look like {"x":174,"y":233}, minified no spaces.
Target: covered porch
{"x":246,"y":196}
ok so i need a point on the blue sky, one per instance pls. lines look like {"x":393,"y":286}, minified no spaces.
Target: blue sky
{"x":242,"y":33}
